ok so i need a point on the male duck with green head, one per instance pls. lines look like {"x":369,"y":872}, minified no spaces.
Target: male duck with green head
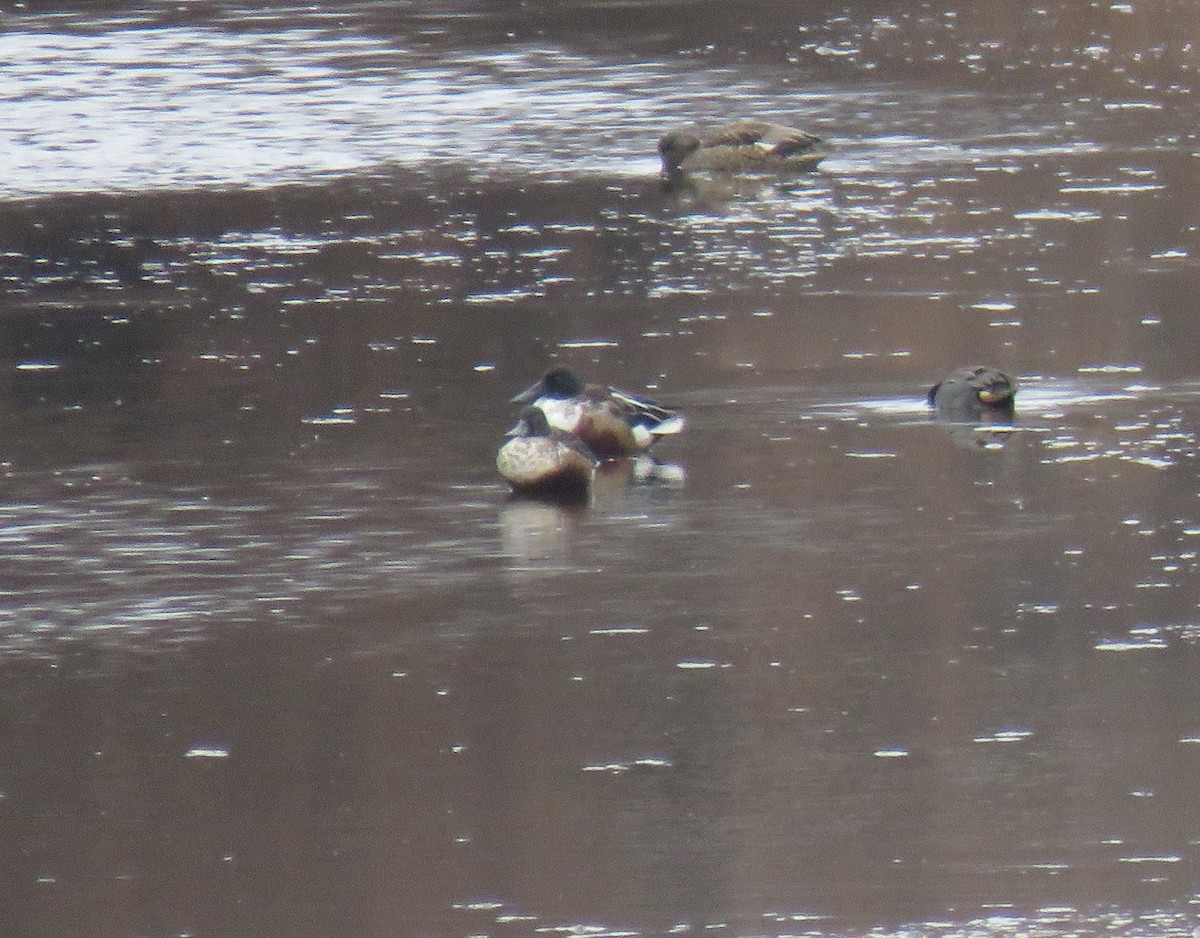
{"x":610,"y":422}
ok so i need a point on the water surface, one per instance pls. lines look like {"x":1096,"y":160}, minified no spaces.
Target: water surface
{"x":280,"y":654}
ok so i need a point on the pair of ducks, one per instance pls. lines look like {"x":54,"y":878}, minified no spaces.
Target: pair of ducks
{"x":567,"y":428}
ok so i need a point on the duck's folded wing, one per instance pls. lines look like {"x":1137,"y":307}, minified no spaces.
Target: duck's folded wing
{"x":791,"y":142}
{"x":740,"y":134}
{"x":655,"y":417}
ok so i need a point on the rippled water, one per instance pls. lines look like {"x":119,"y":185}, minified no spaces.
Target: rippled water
{"x":279,"y":654}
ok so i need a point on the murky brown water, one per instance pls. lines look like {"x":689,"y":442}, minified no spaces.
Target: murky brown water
{"x":278,"y":656}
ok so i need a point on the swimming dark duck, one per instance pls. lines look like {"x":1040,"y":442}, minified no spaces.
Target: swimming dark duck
{"x":972,"y":392}
{"x":750,"y":146}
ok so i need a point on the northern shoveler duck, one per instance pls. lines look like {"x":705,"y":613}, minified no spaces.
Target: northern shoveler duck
{"x":971,"y":392}
{"x":611,"y":423}
{"x":540,"y":460}
{"x":750,"y":146}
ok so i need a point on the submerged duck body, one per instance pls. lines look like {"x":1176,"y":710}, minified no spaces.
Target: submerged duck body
{"x":750,"y":146}
{"x":610,"y":422}
{"x":972,"y":392}
{"x":540,"y":460}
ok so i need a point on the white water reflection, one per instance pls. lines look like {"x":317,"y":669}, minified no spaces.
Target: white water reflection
{"x":846,"y":674}
{"x":186,"y":107}
{"x":117,"y":107}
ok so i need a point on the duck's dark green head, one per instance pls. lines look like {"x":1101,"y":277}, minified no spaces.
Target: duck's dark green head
{"x":559,"y":382}
{"x":675,"y":147}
